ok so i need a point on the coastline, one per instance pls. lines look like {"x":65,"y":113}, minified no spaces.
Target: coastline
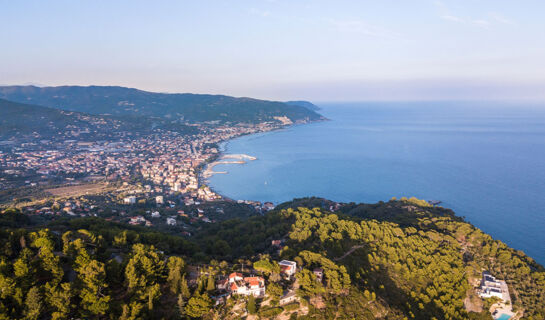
{"x":487,"y":213}
{"x":205,"y":171}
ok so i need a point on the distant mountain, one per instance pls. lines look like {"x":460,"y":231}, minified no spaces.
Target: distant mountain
{"x":186,"y":106}
{"x":304,"y":104}
{"x":19,"y":120}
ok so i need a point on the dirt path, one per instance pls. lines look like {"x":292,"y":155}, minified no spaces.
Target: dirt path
{"x":349,"y":252}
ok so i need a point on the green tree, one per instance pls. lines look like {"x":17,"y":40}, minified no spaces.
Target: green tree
{"x":153,"y":293}
{"x":33,"y":304}
{"x":265,"y":266}
{"x":92,"y":277}
{"x":144,"y":269}
{"x":60,"y":299}
{"x":175,"y":267}
{"x":49,"y":262}
{"x":251,"y":305}
{"x":198,"y":305}
{"x":184,"y":288}
{"x":120,"y":240}
{"x":210,"y":286}
{"x":274,"y":290}
{"x":131,"y":311}
{"x":308,"y":284}
{"x":24,"y":270}
{"x":181,"y":305}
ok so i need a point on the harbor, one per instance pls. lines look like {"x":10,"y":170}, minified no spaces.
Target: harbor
{"x":226,"y":159}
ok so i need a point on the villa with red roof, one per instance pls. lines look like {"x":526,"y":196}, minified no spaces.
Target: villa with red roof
{"x":246,"y":285}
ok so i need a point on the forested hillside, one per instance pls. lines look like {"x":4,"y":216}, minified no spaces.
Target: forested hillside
{"x":372,"y":268}
{"x":128,"y":101}
{"x":20,"y":120}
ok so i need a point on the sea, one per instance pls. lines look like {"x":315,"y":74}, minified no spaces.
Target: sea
{"x":484,"y":160}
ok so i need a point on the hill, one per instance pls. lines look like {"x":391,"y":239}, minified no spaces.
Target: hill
{"x":351,"y":266}
{"x":305,"y":104}
{"x":18,"y":120}
{"x":175,"y":106}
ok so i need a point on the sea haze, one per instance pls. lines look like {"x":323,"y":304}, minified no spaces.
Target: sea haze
{"x":486,"y":161}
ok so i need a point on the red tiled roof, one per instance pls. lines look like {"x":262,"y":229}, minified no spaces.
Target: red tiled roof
{"x":254,"y":281}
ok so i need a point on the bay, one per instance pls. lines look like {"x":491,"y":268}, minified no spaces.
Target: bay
{"x":486,"y":161}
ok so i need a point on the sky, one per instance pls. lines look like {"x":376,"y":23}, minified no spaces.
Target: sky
{"x":282,"y":49}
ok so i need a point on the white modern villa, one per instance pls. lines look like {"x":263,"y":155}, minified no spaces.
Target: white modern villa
{"x":492,"y":287}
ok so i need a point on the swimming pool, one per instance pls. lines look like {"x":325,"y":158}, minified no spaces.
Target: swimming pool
{"x":504,"y":316}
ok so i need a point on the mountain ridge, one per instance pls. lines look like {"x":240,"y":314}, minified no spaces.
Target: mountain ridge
{"x":189,"y":107}
{"x":20,"y":119}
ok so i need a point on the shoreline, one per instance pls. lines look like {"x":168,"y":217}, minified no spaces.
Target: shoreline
{"x":203,"y":178}
{"x":202,"y":175}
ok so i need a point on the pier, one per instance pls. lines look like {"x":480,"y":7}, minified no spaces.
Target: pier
{"x":239,"y":156}
{"x":236,"y":159}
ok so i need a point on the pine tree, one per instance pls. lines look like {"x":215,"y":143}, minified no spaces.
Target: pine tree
{"x":23,"y":269}
{"x":59,"y":299}
{"x":120,"y":240}
{"x":33,"y":304}
{"x":92,"y":277}
{"x":48,"y":260}
{"x":181,"y":305}
{"x":210,"y":286}
{"x":131,"y":311}
{"x":200,"y":286}
{"x":175,"y":267}
{"x":198,"y":305}
{"x":153,"y":293}
{"x":184,"y":288}
{"x":145,"y":268}
{"x":251,"y":306}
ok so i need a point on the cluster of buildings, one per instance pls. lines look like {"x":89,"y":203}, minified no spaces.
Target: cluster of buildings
{"x":167,"y":159}
{"x":56,"y":208}
{"x":139,"y":220}
{"x":164,"y":166}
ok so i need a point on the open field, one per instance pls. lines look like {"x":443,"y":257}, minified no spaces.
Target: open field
{"x":78,"y":190}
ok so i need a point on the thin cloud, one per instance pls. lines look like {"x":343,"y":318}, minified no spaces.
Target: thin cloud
{"x":486,"y":22}
{"x":481,"y":22}
{"x":501,"y":19}
{"x":453,"y":18}
{"x":476,"y":22}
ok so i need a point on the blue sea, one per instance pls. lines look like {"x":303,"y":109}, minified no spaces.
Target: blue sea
{"x":486,"y":161}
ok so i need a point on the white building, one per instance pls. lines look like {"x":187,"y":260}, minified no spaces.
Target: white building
{"x":492,"y":287}
{"x":137,"y":220}
{"x":171,"y":221}
{"x":177,"y":186}
{"x":254,"y":286}
{"x":288,"y":267}
{"x":288,"y":297}
{"x":129,"y":200}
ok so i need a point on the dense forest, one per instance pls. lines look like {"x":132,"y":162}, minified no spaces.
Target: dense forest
{"x":401,"y":259}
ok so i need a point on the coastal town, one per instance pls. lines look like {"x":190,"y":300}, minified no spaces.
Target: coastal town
{"x":272,"y":160}
{"x":163,"y":173}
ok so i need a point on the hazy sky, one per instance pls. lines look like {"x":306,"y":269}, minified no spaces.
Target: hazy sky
{"x":282,"y":49}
